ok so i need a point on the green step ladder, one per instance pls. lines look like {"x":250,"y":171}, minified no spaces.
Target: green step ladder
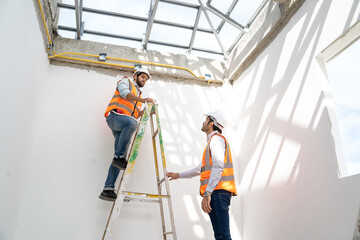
{"x":150,"y":111}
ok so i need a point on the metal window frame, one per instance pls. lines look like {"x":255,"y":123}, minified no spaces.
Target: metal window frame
{"x":145,"y":40}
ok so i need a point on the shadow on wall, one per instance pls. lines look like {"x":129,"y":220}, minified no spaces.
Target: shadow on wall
{"x":284,"y":135}
{"x":181,"y":115}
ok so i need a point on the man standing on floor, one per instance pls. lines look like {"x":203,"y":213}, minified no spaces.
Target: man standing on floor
{"x":217,"y":183}
{"x":121,"y":114}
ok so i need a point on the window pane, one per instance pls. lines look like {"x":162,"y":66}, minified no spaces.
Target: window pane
{"x":170,"y":34}
{"x":111,"y":40}
{"x":67,"y":18}
{"x":344,"y":75}
{"x":244,"y":10}
{"x":176,"y":14}
{"x":114,"y":25}
{"x":133,"y":7}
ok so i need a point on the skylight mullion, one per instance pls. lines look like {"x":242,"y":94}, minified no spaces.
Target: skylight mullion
{"x":232,"y":6}
{"x":224,"y":17}
{"x":213,"y":29}
{"x":194,"y":30}
{"x":152,"y":12}
{"x":78,"y":19}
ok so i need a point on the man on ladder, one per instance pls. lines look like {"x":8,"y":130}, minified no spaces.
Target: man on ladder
{"x":121,"y":114}
{"x":217,"y":183}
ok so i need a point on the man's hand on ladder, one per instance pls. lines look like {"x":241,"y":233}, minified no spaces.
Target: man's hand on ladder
{"x":150,"y":100}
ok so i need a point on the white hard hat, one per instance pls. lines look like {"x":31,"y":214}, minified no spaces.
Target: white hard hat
{"x":142,"y":70}
{"x":217,"y":117}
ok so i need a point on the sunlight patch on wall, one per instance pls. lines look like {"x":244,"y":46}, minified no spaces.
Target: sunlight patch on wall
{"x":261,"y":165}
{"x":267,"y":159}
{"x":170,"y":111}
{"x":190,"y":122}
{"x":199,"y":231}
{"x":286,"y":106}
{"x":285,"y":162}
{"x":267,"y":110}
{"x":235,"y":233}
{"x":190,"y":208}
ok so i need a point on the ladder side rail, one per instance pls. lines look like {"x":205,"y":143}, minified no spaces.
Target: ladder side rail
{"x":121,"y":178}
{"x":165,"y":170}
{"x":126,"y":176}
{"x":153,"y":136}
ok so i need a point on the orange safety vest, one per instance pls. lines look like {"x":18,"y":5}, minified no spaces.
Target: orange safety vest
{"x":124,"y":106}
{"x":227,"y":180}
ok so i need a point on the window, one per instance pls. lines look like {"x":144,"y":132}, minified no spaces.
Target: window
{"x":343,"y":61}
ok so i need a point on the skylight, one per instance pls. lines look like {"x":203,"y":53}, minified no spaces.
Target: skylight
{"x":202,"y":28}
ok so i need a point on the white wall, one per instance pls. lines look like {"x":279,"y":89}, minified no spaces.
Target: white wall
{"x":23,"y":68}
{"x":56,"y":147}
{"x":290,"y":187}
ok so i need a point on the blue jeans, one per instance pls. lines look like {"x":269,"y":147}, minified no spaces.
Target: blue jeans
{"x":219,"y":215}
{"x":122,"y":127}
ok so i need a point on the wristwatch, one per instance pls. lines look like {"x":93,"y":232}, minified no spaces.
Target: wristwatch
{"x":207,"y":193}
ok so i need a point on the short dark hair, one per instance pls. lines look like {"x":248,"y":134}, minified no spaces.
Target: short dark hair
{"x":215,"y":127}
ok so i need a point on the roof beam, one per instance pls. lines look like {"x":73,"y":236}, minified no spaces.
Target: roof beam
{"x":150,"y":22}
{"x":184,"y":4}
{"x":213,"y":29}
{"x":231,"y":8}
{"x":143,"y":19}
{"x":78,"y":16}
{"x":223,"y":16}
{"x":72,"y":29}
{"x":195,"y":29}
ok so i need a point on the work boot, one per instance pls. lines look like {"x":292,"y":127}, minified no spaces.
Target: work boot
{"x":120,"y":163}
{"x":108,"y":195}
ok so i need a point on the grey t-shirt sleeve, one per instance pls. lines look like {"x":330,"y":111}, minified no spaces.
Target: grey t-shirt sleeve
{"x":192,"y":172}
{"x":123,"y":88}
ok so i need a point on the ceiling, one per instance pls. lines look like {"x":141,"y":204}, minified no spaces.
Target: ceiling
{"x":208,"y":29}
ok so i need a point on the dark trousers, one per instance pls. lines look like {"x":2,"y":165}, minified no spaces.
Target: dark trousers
{"x":219,"y":215}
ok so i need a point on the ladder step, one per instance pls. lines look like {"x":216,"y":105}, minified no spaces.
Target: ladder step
{"x":161,"y":181}
{"x":144,"y":195}
{"x":167,"y":233}
{"x":156,"y":132}
{"x":128,"y":199}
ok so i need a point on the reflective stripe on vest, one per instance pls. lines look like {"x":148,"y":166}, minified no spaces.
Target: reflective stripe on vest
{"x":227,"y":180}
{"x":125,"y":106}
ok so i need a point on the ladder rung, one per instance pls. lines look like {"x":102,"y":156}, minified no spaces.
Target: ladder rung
{"x":145,"y":195}
{"x":161,"y":181}
{"x":166,"y":233}
{"x":156,"y":132}
{"x":128,"y":199}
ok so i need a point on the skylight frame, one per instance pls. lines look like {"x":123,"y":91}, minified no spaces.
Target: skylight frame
{"x":202,"y":7}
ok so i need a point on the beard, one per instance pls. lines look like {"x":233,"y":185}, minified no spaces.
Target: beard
{"x":139,"y":83}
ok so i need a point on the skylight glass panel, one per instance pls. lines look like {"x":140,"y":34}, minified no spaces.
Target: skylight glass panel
{"x":67,"y":17}
{"x":245,"y":9}
{"x":195,"y":2}
{"x":114,"y":25}
{"x":220,"y":57}
{"x":204,"y":22}
{"x":67,"y":34}
{"x":206,"y":41}
{"x":111,"y":40}
{"x":176,"y":14}
{"x":133,"y":30}
{"x":228,"y":35}
{"x":166,"y":49}
{"x":170,"y":34}
{"x":133,"y":7}
{"x":221,"y":5}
